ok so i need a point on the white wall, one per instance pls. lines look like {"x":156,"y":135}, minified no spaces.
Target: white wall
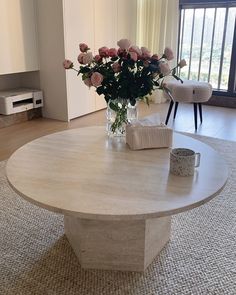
{"x":30,"y":80}
{"x":9,"y":81}
{"x":19,"y":80}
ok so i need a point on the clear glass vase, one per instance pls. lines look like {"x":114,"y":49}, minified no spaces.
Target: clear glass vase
{"x":119,"y":113}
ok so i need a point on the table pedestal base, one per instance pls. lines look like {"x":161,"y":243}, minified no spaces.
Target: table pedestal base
{"x":117,"y":245}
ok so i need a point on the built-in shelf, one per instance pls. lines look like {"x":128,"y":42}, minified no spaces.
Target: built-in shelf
{"x":13,"y":119}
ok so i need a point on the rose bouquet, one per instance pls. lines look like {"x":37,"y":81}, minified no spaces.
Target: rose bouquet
{"x":126,"y":74}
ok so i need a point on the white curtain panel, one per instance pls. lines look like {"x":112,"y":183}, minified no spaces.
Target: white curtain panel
{"x":157,"y":24}
{"x":157,"y":28}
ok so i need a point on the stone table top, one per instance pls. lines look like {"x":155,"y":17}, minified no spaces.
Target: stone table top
{"x":83,"y":173}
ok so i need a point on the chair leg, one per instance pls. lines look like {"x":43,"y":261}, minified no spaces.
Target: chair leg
{"x":176,"y":107}
{"x":195,"y":114}
{"x":169,"y":111}
{"x":200,"y":111}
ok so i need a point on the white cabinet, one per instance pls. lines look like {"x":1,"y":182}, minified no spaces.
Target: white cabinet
{"x":78,"y":28}
{"x":18,"y":46}
{"x":105,"y":23}
{"x":95,"y":22}
{"x":105,"y":33}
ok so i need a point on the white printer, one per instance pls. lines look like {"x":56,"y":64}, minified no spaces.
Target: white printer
{"x":19,"y":100}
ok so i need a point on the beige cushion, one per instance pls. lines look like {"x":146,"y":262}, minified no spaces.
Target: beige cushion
{"x":190,"y":91}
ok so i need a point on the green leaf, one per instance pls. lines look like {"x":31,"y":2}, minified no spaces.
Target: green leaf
{"x":133,"y":101}
{"x":114,"y":58}
{"x":113,"y":106}
{"x":84,"y":70}
{"x":100,"y":90}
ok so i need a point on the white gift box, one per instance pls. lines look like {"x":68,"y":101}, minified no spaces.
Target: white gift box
{"x":145,"y":137}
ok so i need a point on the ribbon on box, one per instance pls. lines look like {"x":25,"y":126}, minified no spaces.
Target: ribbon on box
{"x":148,"y":133}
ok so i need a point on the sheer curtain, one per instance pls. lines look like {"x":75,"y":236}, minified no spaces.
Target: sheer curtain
{"x":157,"y":27}
{"x":157,"y":24}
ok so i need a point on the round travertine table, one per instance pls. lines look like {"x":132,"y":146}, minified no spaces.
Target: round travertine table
{"x":117,"y":203}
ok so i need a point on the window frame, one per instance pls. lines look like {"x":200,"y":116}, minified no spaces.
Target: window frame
{"x":194,"y":4}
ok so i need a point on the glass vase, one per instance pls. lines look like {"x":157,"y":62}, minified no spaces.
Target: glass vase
{"x":119,"y":113}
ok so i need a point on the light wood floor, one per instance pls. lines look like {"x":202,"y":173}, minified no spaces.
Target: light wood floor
{"x":217,"y":122}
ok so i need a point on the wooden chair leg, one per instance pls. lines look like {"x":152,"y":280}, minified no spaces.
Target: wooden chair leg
{"x":169,"y":111}
{"x":176,"y":107}
{"x":195,"y":114}
{"x":200,"y":111}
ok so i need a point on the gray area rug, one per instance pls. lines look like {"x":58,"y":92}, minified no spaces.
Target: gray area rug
{"x":36,"y":258}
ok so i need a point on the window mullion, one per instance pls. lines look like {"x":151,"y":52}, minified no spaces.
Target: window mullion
{"x":191,"y":46}
{"x":232,"y":72}
{"x":212,"y":43}
{"x":200,"y":58}
{"x":223,"y":47}
{"x":182,"y":36}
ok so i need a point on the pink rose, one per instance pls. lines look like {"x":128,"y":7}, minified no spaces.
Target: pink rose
{"x":155,"y":57}
{"x":116,"y":67}
{"x":164,"y":68}
{"x":133,"y":56}
{"x":112,"y":52}
{"x":88,"y":58}
{"x":97,"y":58}
{"x":96,"y":79}
{"x":182,"y":63}
{"x":103,"y":51}
{"x":145,"y":53}
{"x":88,"y":82}
{"x":81,"y":57}
{"x":168,"y":53}
{"x":124,"y":44}
{"x":122,"y":52}
{"x":83,"y":47}
{"x":136,"y":49}
{"x":67,"y":64}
